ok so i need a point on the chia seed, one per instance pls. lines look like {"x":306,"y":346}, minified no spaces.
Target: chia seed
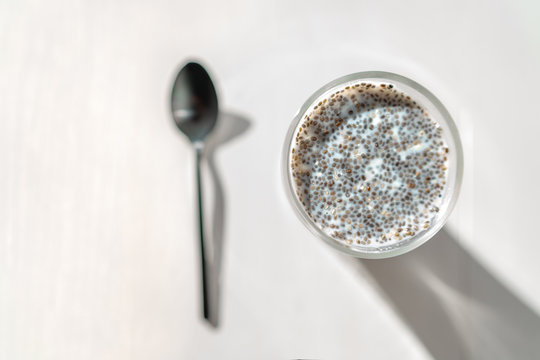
{"x":369,"y":151}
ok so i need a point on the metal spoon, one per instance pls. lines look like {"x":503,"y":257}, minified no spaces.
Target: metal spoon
{"x":194,"y":109}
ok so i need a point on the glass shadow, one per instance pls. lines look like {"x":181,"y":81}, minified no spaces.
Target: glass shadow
{"x":454,"y":306}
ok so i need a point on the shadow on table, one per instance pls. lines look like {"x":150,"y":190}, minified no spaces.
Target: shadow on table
{"x":456,"y":308}
{"x":228,"y":127}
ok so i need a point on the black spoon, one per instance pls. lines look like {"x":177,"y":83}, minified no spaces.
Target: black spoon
{"x":194,"y":108}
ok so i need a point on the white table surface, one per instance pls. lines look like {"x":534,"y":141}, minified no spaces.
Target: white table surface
{"x":98,"y":250}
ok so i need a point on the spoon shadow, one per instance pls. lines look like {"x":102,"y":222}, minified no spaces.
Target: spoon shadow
{"x":456,"y":307}
{"x":228,"y":127}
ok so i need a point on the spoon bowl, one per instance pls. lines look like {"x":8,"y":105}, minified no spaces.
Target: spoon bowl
{"x":194,"y":104}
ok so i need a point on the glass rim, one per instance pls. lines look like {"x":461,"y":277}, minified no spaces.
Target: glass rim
{"x":444,"y":118}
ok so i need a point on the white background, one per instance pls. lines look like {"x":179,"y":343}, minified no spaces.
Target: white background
{"x":98,"y":249}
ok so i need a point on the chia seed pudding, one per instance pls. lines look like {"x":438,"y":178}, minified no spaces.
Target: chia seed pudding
{"x":369,"y":165}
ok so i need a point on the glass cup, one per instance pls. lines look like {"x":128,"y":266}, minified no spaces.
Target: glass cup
{"x":436,"y":111}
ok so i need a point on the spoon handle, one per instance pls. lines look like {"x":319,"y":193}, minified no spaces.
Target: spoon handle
{"x":204,"y":269}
